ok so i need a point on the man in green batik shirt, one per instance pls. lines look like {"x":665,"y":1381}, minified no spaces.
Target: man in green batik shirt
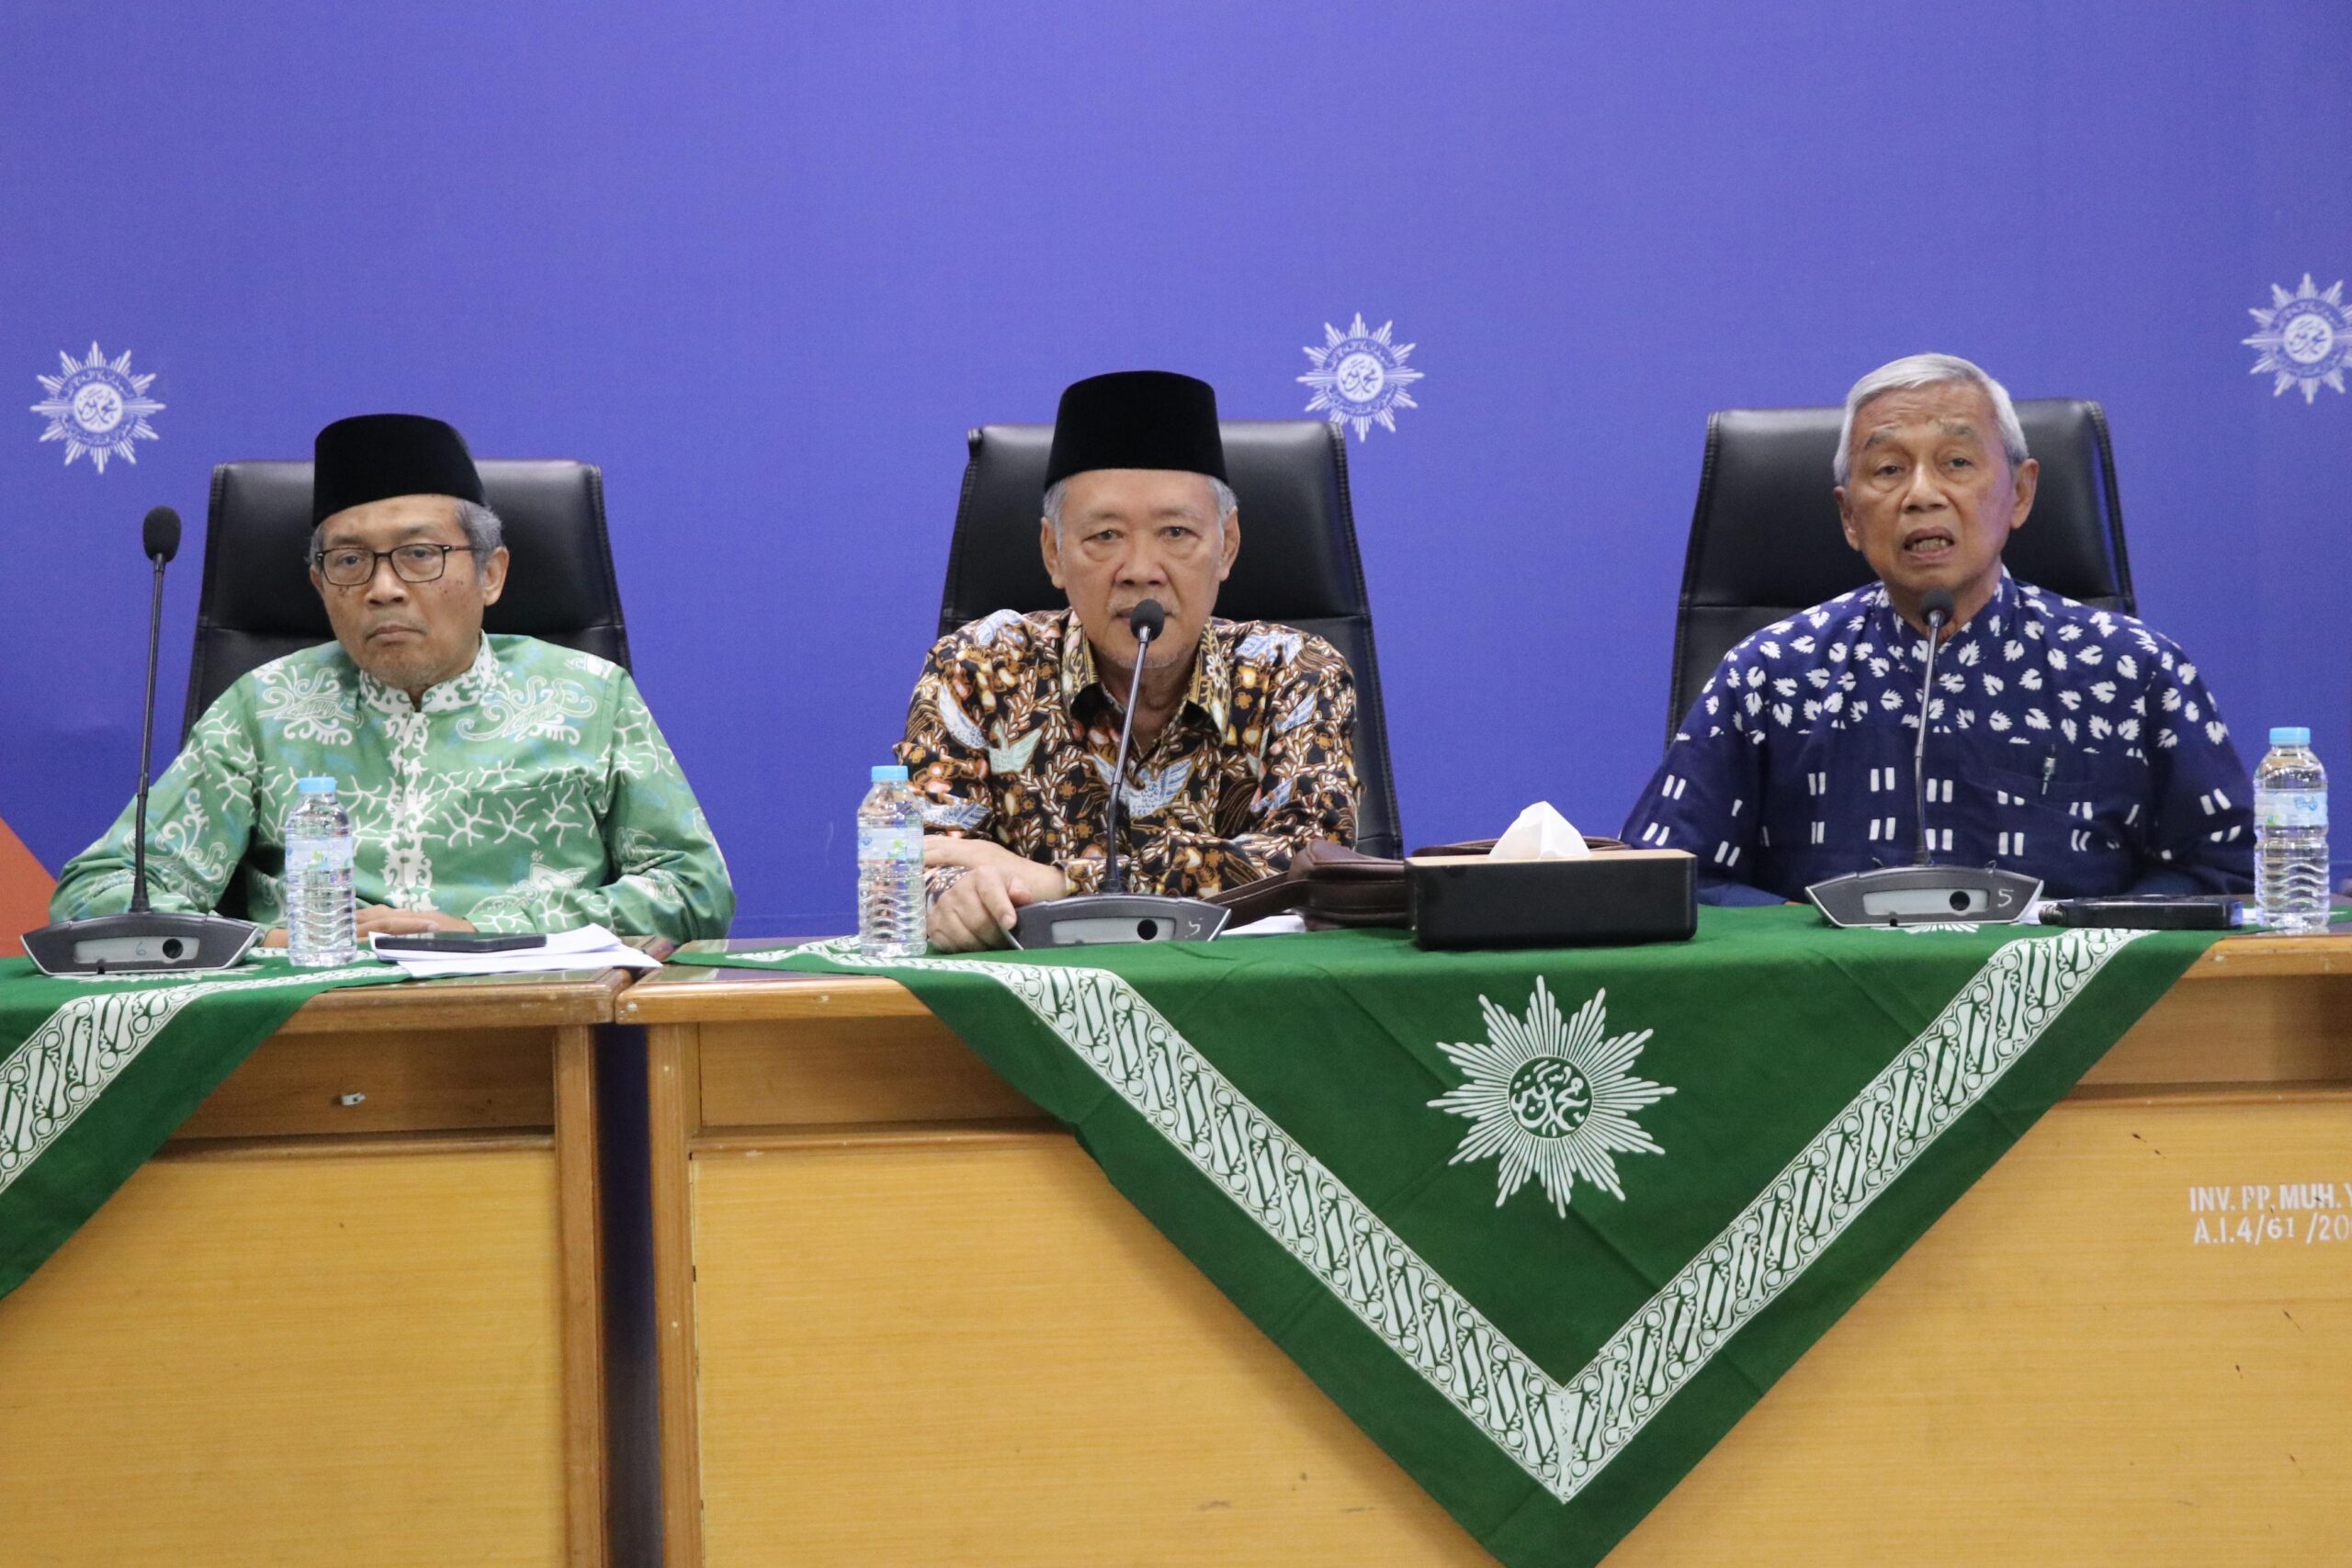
{"x":495,"y":783}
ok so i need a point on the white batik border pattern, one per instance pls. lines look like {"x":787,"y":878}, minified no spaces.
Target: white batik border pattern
{"x":60,"y":1069}
{"x":1563,"y":1434}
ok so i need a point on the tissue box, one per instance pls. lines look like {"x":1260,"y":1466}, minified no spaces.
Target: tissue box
{"x":1614,"y":895}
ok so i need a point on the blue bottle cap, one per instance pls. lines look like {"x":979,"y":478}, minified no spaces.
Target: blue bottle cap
{"x":890,"y":774}
{"x":315,"y":787}
{"x":2294,"y":735}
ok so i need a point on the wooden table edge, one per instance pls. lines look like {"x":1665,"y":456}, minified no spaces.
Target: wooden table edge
{"x":488,"y":1001}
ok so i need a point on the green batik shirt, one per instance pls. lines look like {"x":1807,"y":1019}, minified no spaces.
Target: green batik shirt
{"x":533,"y":793}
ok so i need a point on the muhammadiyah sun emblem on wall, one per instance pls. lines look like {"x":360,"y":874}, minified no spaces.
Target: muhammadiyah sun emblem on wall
{"x":1360,"y":377}
{"x":97,"y":406}
{"x":2306,"y":339}
{"x":1554,"y":1097}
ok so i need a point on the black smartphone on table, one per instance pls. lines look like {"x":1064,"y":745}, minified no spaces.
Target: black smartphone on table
{"x":447,"y":942}
{"x":2149,"y":911}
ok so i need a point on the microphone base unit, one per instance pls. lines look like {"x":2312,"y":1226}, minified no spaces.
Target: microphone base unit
{"x":141,"y":942}
{"x":1103,"y":918}
{"x":1925,"y":894}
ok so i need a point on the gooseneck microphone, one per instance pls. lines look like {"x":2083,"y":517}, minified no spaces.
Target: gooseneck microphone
{"x":160,"y":531}
{"x":1147,"y":621}
{"x":160,"y":535}
{"x":1115,"y":915}
{"x":143,"y":938}
{"x":1935,"y":608}
{"x":1923,"y":892}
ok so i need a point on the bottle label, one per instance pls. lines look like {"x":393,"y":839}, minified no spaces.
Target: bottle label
{"x":890,"y":844}
{"x":2290,"y":808}
{"x":317,"y":854}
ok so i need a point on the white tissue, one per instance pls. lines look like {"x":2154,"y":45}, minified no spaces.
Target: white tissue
{"x":1540,"y":833}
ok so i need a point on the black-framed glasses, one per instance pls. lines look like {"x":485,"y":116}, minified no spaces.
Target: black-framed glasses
{"x":348,"y":565}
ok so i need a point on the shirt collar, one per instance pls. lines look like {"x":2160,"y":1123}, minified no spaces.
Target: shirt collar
{"x":460,"y":691}
{"x":1211,"y":689}
{"x":1998,"y":615}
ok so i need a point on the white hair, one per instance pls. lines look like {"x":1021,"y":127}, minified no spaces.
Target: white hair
{"x":483,"y":531}
{"x":1056,"y":492}
{"x":1929,"y":370}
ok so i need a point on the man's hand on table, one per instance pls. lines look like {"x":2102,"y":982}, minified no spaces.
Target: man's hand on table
{"x":375,"y":918}
{"x":979,"y":911}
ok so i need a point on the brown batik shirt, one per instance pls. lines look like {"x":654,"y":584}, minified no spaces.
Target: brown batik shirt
{"x":1012,"y":737}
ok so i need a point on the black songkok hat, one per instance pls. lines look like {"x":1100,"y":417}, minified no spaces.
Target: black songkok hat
{"x":374,"y":456}
{"x":1137,"y":418}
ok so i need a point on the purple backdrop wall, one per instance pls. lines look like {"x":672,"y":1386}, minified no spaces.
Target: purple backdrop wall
{"x":767,"y":261}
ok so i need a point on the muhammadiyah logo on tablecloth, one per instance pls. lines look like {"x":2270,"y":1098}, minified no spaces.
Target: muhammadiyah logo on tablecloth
{"x":97,"y":406}
{"x":1555,"y":1097}
{"x":2306,"y":339}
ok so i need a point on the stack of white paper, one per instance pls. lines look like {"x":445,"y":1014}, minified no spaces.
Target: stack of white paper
{"x":590,"y":947}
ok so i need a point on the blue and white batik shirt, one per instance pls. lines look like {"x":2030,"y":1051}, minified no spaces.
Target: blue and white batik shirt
{"x":2069,"y":743}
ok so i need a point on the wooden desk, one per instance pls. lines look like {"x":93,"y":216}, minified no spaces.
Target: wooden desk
{"x":904,"y":1320}
{"x":349,"y":1314}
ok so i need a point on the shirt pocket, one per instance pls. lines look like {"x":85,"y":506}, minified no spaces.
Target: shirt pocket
{"x":2054,"y":807}
{"x":559,"y":809}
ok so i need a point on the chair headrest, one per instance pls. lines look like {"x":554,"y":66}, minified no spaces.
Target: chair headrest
{"x":560,"y":580}
{"x":1767,"y":530}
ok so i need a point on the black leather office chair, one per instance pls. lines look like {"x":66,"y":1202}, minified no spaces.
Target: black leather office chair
{"x":258,"y":604}
{"x":1298,"y":565}
{"x":1765,"y":540}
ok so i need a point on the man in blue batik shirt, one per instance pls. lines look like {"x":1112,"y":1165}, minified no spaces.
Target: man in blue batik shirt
{"x":2071,"y":744}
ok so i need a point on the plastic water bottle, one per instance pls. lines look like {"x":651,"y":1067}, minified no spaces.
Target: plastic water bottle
{"x":319,"y":910}
{"x":2290,"y":836}
{"x":891,"y":906}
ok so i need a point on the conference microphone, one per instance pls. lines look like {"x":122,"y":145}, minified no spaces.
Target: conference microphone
{"x":159,"y":534}
{"x":1114,"y":915}
{"x":1146,"y":621}
{"x":1935,"y":608}
{"x":141,"y":938}
{"x":1923,"y":892}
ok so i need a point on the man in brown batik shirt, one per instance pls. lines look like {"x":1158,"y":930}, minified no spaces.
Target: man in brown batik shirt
{"x":1242,"y":750}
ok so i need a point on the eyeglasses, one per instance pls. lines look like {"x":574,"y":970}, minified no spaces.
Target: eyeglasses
{"x":349,"y":566}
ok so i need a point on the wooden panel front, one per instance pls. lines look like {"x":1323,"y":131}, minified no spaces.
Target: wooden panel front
{"x":842,"y":1072}
{"x":971,"y":1349}
{"x":313,"y":1331}
{"x":2061,"y":1373}
{"x":452,"y":1080}
{"x":295,"y":1356}
{"x":2282,"y":1029}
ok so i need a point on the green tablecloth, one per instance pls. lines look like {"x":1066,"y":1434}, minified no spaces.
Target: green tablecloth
{"x":1547,"y":1223}
{"x":95,"y":1074}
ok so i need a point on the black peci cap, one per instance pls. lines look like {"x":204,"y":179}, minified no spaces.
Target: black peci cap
{"x":374,"y":456}
{"x":1137,"y":418}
